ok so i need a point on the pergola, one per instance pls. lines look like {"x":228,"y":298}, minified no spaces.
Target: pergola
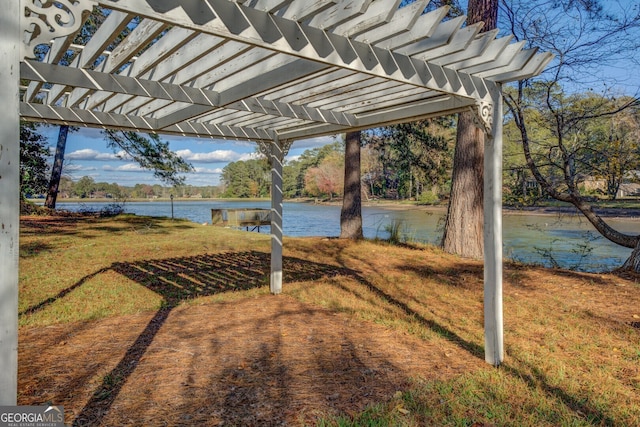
{"x":268,"y":71}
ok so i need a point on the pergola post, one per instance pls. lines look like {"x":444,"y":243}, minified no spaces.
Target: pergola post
{"x":276,"y":154}
{"x":493,"y":323}
{"x":10,"y":43}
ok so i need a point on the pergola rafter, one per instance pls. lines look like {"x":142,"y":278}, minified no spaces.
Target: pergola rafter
{"x":268,"y":71}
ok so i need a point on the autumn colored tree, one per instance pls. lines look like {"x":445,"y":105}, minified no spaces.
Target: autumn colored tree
{"x":327,"y":179}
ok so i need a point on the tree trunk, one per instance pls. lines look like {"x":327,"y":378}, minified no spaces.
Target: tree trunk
{"x":463,"y":234}
{"x":351,"y":214}
{"x":56,"y":171}
{"x":483,"y":11}
{"x":633,"y":262}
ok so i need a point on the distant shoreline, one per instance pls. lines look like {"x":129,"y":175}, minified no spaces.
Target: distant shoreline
{"x":607,"y":212}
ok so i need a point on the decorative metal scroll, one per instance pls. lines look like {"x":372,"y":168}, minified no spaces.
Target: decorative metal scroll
{"x":265,"y":147}
{"x":483,"y":116}
{"x":45,"y":20}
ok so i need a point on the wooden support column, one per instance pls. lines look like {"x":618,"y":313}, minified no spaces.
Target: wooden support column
{"x":276,"y":158}
{"x":491,"y":114}
{"x":10,"y":43}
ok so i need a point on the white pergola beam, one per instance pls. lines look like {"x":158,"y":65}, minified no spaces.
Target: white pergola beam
{"x":472,"y":48}
{"x":421,"y":109}
{"x":233,"y":21}
{"x":533,"y":67}
{"x":318,"y":84}
{"x":221,"y":64}
{"x":518,"y":62}
{"x":440,"y":37}
{"x":140,"y":37}
{"x":114,"y":83}
{"x":301,"y":10}
{"x":93,"y":80}
{"x":340,"y":13}
{"x":503,"y":58}
{"x":270,"y":5}
{"x":113,"y":25}
{"x":75,"y":117}
{"x":55,"y":53}
{"x":486,"y":53}
{"x":424,"y":27}
{"x":268,"y":80}
{"x":402,"y":21}
{"x":159,"y":53}
{"x":178,"y":69}
{"x":458,"y":43}
{"x":378,"y":14}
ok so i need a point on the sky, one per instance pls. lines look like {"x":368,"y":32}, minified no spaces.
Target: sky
{"x":87,"y":154}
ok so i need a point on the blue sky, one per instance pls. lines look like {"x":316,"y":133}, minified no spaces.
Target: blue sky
{"x":87,"y":155}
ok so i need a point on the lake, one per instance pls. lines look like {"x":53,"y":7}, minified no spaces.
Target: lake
{"x":568,"y":240}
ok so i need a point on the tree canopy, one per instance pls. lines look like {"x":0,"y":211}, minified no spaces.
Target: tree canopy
{"x":34,"y":153}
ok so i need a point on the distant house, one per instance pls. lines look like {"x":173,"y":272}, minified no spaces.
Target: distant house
{"x":629,"y":189}
{"x":592,"y":184}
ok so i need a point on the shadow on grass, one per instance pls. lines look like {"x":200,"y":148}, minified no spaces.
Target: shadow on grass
{"x":43,"y":304}
{"x":184,"y":278}
{"x":471,"y":347}
{"x":577,"y":404}
{"x":85,"y":225}
{"x":176,"y":280}
{"x":531,"y":375}
{"x":33,"y":249}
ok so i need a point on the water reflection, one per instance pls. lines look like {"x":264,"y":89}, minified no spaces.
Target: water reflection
{"x":568,"y":241}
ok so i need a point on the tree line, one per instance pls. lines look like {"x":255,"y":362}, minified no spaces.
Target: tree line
{"x":399,"y":162}
{"x":414,"y":160}
{"x":87,"y":188}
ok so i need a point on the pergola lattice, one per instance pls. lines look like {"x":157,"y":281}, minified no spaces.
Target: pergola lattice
{"x":268,"y":71}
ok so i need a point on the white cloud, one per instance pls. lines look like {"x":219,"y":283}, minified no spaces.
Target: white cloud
{"x":292,"y":158}
{"x":70,"y":168}
{"x":216,"y":171}
{"x":216,"y":156}
{"x":90,"y":154}
{"x":250,"y":156}
{"x":129,"y":167}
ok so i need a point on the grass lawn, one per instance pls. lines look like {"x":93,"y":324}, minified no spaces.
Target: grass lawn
{"x":145,"y":321}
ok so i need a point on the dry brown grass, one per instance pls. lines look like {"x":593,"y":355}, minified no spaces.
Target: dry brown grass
{"x":135,"y":321}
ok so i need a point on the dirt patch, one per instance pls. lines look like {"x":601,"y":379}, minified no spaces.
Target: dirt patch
{"x":263,"y":361}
